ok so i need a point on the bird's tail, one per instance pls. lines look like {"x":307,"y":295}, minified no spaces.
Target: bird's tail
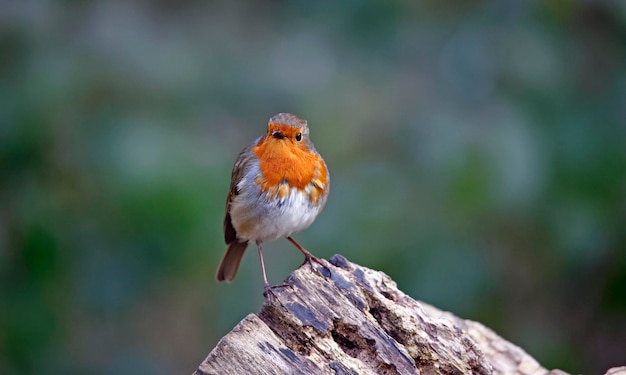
{"x":230,"y":262}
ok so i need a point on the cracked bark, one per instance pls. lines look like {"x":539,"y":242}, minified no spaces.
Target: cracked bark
{"x":348,"y":319}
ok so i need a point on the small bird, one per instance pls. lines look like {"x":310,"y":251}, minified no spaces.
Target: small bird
{"x":278,"y":186}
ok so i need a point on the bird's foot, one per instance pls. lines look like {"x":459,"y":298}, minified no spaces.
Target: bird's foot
{"x":268,"y":293}
{"x":310,"y":259}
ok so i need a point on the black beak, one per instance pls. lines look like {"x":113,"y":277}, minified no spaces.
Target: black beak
{"x":278,"y":134}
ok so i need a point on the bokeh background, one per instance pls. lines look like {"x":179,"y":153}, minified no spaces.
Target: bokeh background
{"x":477,"y":152}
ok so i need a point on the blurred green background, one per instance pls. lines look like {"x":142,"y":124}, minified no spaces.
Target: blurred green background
{"x":477,"y":153}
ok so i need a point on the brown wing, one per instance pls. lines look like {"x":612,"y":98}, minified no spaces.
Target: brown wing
{"x":244,"y":158}
{"x":227,"y":269}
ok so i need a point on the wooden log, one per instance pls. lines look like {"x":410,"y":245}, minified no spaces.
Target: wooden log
{"x":346,"y":319}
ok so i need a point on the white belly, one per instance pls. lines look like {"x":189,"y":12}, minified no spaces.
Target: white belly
{"x":255,"y":218}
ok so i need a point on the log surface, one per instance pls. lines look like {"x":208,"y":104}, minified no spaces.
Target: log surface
{"x":347,"y":319}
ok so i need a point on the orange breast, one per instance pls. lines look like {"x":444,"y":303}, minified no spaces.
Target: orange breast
{"x":285,"y":164}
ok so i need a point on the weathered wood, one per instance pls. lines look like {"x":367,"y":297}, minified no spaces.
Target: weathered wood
{"x":348,"y":319}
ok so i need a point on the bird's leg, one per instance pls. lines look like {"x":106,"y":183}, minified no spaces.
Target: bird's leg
{"x":260,"y":248}
{"x":308,"y":257}
{"x":267,"y":288}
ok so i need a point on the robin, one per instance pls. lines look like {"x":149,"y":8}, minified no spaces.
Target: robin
{"x":279,"y":185}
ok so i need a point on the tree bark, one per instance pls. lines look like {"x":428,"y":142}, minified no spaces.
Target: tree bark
{"x":343,"y":318}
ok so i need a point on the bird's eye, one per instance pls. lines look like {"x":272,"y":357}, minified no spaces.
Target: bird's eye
{"x":299,"y":137}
